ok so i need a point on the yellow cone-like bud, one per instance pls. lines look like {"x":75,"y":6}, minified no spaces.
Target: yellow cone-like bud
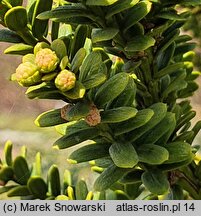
{"x":46,"y":60}
{"x":65,"y":80}
{"x":27,"y":74}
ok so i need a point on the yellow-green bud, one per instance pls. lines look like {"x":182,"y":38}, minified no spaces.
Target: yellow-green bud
{"x":27,"y":74}
{"x":39,"y":46}
{"x":46,"y":60}
{"x":65,"y":80}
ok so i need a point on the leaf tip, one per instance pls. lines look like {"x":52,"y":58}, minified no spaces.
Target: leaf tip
{"x":55,"y":146}
{"x":71,"y":161}
{"x":36,"y":122}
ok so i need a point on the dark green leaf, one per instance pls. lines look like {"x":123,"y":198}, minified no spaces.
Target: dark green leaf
{"x":138,"y":43}
{"x":38,"y":187}
{"x":76,"y":138}
{"x":136,"y":13}
{"x":119,"y":114}
{"x":100,"y":2}
{"x":66,"y":11}
{"x":155,"y":181}
{"x":16,"y":18}
{"x":120,"y":6}
{"x":123,"y":155}
{"x":89,"y":152}
{"x":178,"y":152}
{"x":99,"y":34}
{"x":9,"y":36}
{"x":152,"y":154}
{"x":111,"y":175}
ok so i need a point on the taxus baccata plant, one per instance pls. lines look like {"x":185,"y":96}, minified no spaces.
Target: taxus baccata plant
{"x":125,"y":72}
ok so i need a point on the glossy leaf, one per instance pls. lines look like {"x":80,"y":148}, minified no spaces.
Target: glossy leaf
{"x":71,"y":127}
{"x":99,"y":34}
{"x":50,"y":118}
{"x":9,"y":36}
{"x":76,"y":138}
{"x":81,"y":190}
{"x":53,"y":178}
{"x":90,"y":65}
{"x":100,"y":2}
{"x":77,"y":111}
{"x":66,"y":11}
{"x":111,"y":175}
{"x":119,"y":114}
{"x":77,"y":92}
{"x":155,"y":181}
{"x":89,"y":152}
{"x":139,"y":43}
{"x":160,"y":111}
{"x":59,"y":47}
{"x":120,"y":6}
{"x":123,"y":155}
{"x":94,"y":80}
{"x":141,"y":118}
{"x":178,"y":152}
{"x":152,"y":154}
{"x":20,"y":190}
{"x":37,"y":187}
{"x":132,"y":177}
{"x":39,"y":27}
{"x":21,"y":170}
{"x":111,"y":88}
{"x":8,"y":152}
{"x":136,"y":13}
{"x":16,"y":18}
